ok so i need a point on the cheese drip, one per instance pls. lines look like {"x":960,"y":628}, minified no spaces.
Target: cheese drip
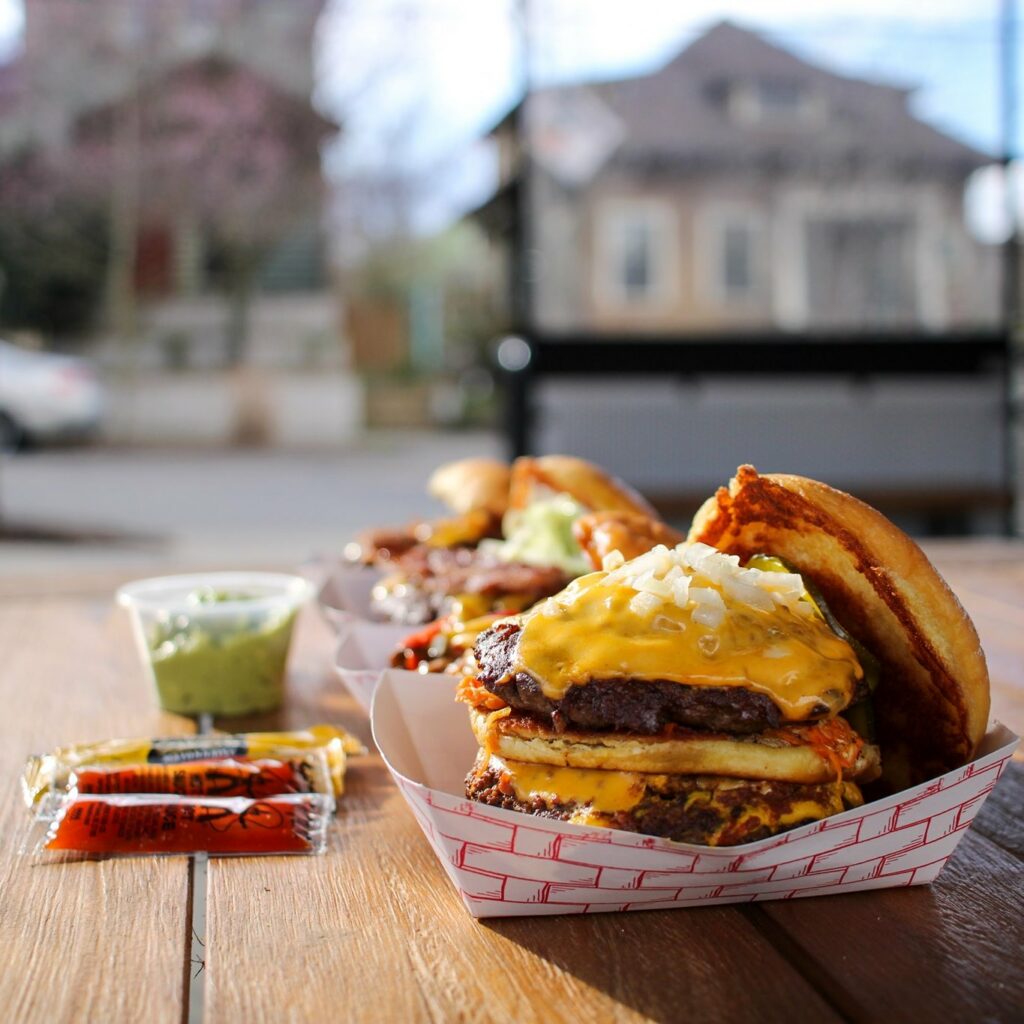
{"x":596,"y":631}
{"x":605,"y":792}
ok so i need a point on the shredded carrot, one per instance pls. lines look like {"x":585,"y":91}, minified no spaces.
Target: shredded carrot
{"x":834,"y":740}
{"x":472,"y":692}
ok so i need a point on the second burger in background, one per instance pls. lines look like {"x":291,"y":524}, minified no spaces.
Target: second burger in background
{"x":536,"y":555}
{"x":446,"y":645}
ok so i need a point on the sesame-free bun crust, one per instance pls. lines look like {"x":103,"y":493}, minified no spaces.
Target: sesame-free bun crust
{"x":932,"y":702}
{"x":588,"y":484}
{"x":471,"y":484}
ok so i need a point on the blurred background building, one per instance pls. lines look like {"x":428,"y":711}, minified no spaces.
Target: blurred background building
{"x":287,"y":225}
{"x":740,"y":187}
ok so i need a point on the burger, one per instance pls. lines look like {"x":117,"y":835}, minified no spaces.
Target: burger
{"x":795,"y":649}
{"x":534,"y":555}
{"x":475,"y":489}
{"x":446,"y":644}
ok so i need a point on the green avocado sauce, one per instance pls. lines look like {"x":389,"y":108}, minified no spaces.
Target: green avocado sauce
{"x":541,"y":534}
{"x":234,"y":668}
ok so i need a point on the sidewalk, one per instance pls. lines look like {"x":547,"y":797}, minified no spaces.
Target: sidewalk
{"x":169,"y":509}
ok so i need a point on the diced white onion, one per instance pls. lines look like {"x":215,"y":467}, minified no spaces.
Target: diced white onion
{"x":699,"y":575}
{"x":708,"y":596}
{"x":650,"y":584}
{"x":644,"y":605}
{"x":613,"y":560}
{"x":708,"y":616}
{"x":747,"y":593}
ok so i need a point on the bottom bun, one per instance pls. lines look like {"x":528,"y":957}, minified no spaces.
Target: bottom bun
{"x":809,"y":753}
{"x":702,"y":809}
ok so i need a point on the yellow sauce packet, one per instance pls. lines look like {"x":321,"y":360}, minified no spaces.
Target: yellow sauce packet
{"x":45,"y":773}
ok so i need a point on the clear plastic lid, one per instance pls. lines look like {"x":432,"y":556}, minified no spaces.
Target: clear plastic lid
{"x":216,"y":594}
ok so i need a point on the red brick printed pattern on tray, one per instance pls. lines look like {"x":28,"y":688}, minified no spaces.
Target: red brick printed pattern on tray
{"x":507,"y":863}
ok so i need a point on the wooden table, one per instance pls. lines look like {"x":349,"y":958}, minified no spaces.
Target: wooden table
{"x":374,"y":931}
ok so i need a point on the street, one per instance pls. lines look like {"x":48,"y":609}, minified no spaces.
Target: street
{"x":156,"y":508}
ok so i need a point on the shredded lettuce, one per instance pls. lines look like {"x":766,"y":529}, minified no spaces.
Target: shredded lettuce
{"x":541,"y":534}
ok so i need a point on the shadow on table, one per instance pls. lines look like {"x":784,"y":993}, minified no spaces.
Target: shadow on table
{"x":664,"y":964}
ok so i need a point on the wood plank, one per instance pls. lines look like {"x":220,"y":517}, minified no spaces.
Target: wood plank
{"x":374,"y":930}
{"x":949,"y":951}
{"x":90,"y":941}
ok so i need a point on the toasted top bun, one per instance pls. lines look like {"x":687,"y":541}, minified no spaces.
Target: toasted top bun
{"x":588,"y":484}
{"x":470,"y":484}
{"x":932,"y":702}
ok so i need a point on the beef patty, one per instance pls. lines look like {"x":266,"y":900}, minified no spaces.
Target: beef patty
{"x":726,"y":811}
{"x":628,"y":705}
{"x":427,"y":579}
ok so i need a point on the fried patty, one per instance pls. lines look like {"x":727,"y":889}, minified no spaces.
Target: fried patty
{"x":706,"y":810}
{"x":427,"y":579}
{"x":627,"y":705}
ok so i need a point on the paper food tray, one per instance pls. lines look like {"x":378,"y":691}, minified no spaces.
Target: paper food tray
{"x":364,"y":652}
{"x":343,"y":589}
{"x":505,"y":863}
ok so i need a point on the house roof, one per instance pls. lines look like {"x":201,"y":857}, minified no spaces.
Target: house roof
{"x":680,"y":114}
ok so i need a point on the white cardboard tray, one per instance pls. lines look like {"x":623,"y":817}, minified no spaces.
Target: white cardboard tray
{"x":343,"y":589}
{"x":504,"y":863}
{"x":364,"y":652}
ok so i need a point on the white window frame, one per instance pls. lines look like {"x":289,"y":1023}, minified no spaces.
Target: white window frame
{"x":715,"y":220}
{"x":659,"y":217}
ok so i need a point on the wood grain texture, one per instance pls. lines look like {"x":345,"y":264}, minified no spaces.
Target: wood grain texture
{"x":948,"y":951}
{"x":88,"y":941}
{"x":374,"y":931}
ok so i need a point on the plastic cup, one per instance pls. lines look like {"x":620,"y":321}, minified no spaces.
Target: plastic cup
{"x":216,"y":642}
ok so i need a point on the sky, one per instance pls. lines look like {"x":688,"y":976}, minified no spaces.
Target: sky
{"x":463,"y":54}
{"x":431,"y":77}
{"x":415,"y":82}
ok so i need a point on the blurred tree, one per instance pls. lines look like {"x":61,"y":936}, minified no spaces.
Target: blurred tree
{"x":52,"y":245}
{"x":180,"y":137}
{"x":216,"y":158}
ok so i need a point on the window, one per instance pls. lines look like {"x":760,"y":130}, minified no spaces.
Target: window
{"x":636,"y":253}
{"x":635,"y":271}
{"x":737,"y":259}
{"x":780,"y":98}
{"x":773,"y":102}
{"x":731,"y":252}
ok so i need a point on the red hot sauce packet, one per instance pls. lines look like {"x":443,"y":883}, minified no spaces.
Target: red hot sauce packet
{"x":216,"y":777}
{"x":155,"y":823}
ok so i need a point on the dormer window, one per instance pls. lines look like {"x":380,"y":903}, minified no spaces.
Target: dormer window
{"x":773,"y":101}
{"x":780,"y":98}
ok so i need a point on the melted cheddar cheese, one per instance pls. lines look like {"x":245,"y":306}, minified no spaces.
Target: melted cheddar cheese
{"x":605,"y":792}
{"x":730,"y":811}
{"x":795,"y":660}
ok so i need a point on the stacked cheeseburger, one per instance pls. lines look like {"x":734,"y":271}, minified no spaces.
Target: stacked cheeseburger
{"x":679,"y":694}
{"x":714,"y":695}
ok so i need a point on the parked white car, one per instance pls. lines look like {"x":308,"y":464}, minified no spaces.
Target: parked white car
{"x":44,"y":397}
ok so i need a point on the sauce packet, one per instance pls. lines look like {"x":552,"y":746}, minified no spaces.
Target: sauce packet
{"x":156,"y":823}
{"x":45,"y":774}
{"x":255,"y":779}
